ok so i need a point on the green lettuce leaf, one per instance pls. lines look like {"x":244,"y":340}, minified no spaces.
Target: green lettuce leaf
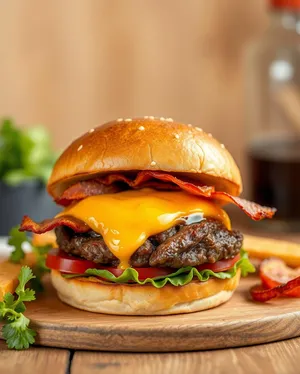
{"x":180,"y":277}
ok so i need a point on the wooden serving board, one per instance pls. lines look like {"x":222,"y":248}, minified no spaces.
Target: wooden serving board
{"x":239,"y":322}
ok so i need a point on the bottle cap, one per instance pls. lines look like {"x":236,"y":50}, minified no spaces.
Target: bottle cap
{"x":287,"y":4}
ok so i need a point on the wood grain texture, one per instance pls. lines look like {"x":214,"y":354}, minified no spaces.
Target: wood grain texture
{"x":80,"y":63}
{"x":34,"y":360}
{"x":239,"y":322}
{"x":275,"y":358}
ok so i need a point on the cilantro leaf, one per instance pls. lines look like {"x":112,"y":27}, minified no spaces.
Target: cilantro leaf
{"x":16,"y":331}
{"x":40,"y":268}
{"x":16,"y":239}
{"x":17,"y":334}
{"x":20,"y":308}
{"x":8,"y":299}
{"x":41,"y":254}
{"x":25,"y":276}
{"x":27,"y":295}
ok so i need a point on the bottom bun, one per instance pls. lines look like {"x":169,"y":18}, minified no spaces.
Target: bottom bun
{"x":97,"y":296}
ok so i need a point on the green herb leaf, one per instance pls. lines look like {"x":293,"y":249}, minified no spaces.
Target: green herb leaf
{"x":20,"y":308}
{"x":27,"y":295}
{"x":180,"y":277}
{"x":25,"y":276}
{"x":40,"y":268}
{"x":10,"y":151}
{"x":8,"y":299}
{"x":16,"y":331}
{"x":41,"y":254}
{"x":16,"y":239}
{"x":17,"y":334}
{"x":24,"y":154}
{"x":16,"y":177}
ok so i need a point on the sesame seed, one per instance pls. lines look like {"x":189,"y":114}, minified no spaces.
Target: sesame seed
{"x":169,"y":119}
{"x":198,"y":129}
{"x":190,"y":131}
{"x":128,"y":120}
{"x":80,"y":148}
{"x":146,"y":117}
{"x":223,"y":146}
{"x":190,"y":125}
{"x":162,"y":118}
{"x":176,"y":136}
{"x":119,"y":119}
{"x":153,"y":163}
{"x":91,"y":130}
{"x":210,"y":135}
{"x":142,"y":128}
{"x":151,"y":117}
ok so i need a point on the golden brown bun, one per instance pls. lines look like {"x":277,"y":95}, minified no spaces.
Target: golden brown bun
{"x":147,"y":144}
{"x":95,"y":296}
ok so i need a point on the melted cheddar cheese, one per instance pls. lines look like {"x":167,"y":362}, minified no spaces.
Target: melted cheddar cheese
{"x":127,"y":219}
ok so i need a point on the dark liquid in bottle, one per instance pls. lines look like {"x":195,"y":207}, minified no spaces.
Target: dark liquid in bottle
{"x":275,"y":176}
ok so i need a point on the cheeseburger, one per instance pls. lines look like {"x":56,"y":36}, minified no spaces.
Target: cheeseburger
{"x":143,"y":230}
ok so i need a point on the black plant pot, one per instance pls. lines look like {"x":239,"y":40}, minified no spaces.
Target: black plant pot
{"x":29,"y":198}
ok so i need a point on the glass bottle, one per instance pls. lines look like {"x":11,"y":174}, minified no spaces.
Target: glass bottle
{"x":274,"y":116}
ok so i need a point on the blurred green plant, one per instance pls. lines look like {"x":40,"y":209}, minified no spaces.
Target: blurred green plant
{"x":24,"y":154}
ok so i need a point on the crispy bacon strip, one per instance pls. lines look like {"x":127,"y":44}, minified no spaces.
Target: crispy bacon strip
{"x":258,"y":293}
{"x":160,"y":180}
{"x":49,"y":224}
{"x":108,"y":184}
{"x":145,"y":176}
{"x":155,"y":179}
{"x":80,"y":190}
{"x":255,"y":211}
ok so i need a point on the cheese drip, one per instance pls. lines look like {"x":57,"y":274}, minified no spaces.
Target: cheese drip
{"x":127,"y":219}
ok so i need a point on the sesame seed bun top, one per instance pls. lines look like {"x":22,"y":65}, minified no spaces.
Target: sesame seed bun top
{"x":147,"y":143}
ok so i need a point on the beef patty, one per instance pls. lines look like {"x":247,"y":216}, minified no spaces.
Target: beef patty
{"x":207,"y":241}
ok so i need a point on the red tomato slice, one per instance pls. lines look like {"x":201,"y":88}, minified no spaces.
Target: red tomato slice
{"x":61,"y":261}
{"x":221,"y":265}
{"x":274,"y":272}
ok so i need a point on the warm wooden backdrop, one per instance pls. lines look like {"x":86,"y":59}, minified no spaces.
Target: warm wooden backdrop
{"x":72,"y":64}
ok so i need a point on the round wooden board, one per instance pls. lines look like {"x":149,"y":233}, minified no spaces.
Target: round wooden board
{"x":239,"y":322}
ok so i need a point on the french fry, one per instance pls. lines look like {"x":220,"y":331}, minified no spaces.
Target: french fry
{"x":9,"y":273}
{"x":262,"y":248}
{"x":44,"y":239}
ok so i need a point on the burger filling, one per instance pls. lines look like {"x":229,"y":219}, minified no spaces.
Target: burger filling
{"x":207,"y":241}
{"x":145,"y":236}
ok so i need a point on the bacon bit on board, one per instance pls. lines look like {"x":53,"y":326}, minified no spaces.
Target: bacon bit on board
{"x":276,"y":275}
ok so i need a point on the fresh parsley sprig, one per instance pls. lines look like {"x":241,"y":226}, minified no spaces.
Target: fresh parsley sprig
{"x":40,"y":268}
{"x":15,"y":330}
{"x":17,"y":240}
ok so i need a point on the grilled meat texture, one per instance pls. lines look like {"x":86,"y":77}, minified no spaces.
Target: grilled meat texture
{"x":182,"y":245}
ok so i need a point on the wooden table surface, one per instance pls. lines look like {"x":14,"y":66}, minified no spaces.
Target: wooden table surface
{"x":278,"y":358}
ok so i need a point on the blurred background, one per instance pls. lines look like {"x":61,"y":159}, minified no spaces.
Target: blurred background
{"x":73,"y":64}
